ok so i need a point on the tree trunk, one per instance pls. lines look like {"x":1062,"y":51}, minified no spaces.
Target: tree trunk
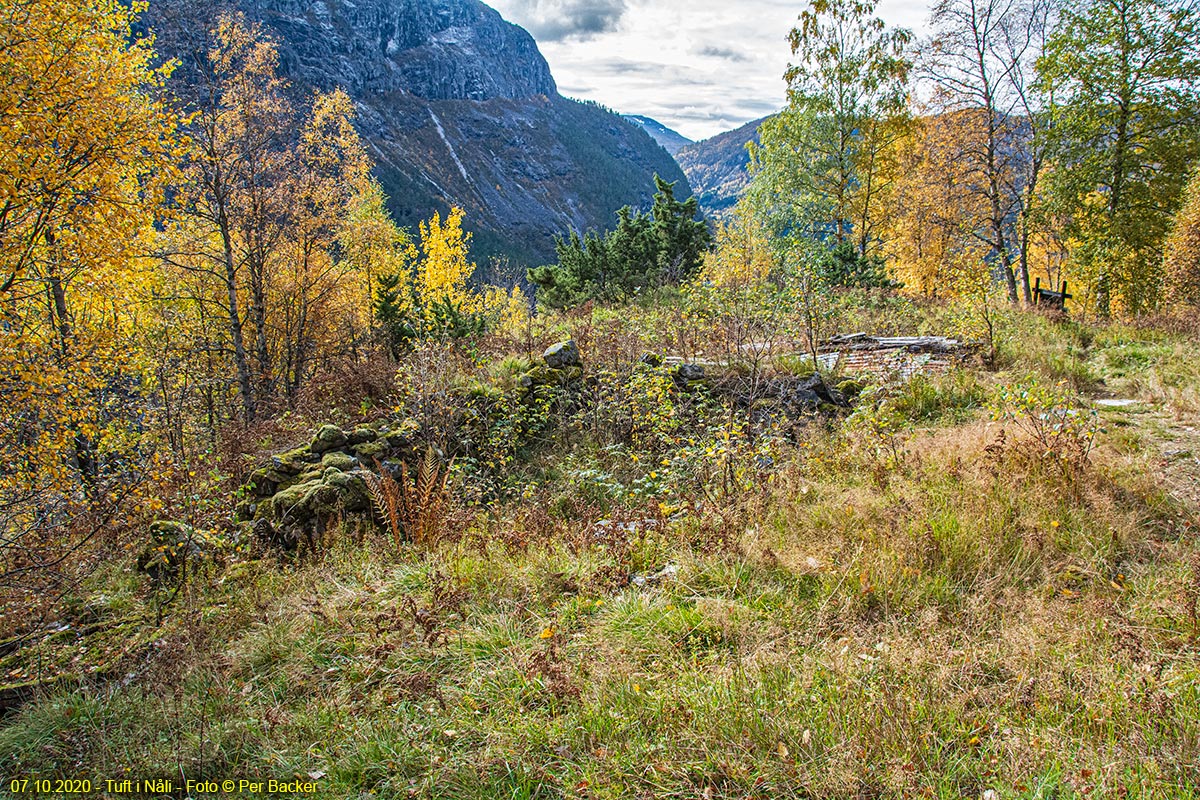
{"x":241,"y":362}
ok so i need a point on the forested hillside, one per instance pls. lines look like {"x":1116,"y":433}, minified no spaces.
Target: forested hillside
{"x":457,"y":108}
{"x":718,"y":168}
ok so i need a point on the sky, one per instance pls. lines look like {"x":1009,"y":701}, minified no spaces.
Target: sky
{"x":700,"y":67}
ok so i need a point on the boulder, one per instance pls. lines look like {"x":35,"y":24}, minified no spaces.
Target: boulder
{"x":305,"y":504}
{"x":369,"y":452}
{"x":329,"y":437}
{"x":171,"y":544}
{"x":338,"y":461}
{"x":266,"y":481}
{"x":362,"y":435}
{"x":850,"y":387}
{"x":651,"y":360}
{"x":352,"y":488}
{"x":293,"y":462}
{"x":816,"y":384}
{"x":563,"y":354}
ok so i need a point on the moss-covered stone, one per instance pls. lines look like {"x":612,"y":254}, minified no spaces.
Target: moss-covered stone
{"x":295,"y":461}
{"x":850,"y":387}
{"x":362,"y":435}
{"x":352,"y":488}
{"x":543,"y":376}
{"x":563,"y":354}
{"x":368,"y":452}
{"x":171,"y":544}
{"x":246,"y":509}
{"x":339,"y":461}
{"x":329,"y":437}
{"x":292,"y":502}
{"x":395,"y":440}
{"x":266,"y":481}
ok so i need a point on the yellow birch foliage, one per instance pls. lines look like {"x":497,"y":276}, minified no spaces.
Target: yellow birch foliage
{"x":1181,"y":265}
{"x":374,"y":246}
{"x":510,"y":308}
{"x":742,"y":253}
{"x":85,"y":152}
{"x":932,"y":206}
{"x":445,"y":266}
{"x":82,"y":135}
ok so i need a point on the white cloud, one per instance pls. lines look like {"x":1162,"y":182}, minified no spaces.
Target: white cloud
{"x":700,"y":67}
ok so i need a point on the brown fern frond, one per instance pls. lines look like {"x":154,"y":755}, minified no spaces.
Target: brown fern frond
{"x":385,"y":498}
{"x":413,"y":507}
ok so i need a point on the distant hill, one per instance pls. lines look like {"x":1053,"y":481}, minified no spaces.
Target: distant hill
{"x":458,"y":107}
{"x":671,"y":140}
{"x":718,"y":168}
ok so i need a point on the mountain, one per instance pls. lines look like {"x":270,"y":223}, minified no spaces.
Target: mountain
{"x":718,"y":168}
{"x":671,"y":140}
{"x":457,"y":106}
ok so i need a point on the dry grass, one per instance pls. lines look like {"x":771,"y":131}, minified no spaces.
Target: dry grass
{"x":922,"y":610}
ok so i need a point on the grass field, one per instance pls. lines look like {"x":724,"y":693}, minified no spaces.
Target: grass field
{"x":935,"y":597}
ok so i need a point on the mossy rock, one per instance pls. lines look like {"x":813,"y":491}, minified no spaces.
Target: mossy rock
{"x":368,"y":452}
{"x":563,"y":354}
{"x":266,"y":481}
{"x":544,"y":376}
{"x":292,"y":502}
{"x":246,"y":509}
{"x":295,"y":461}
{"x":171,"y":544}
{"x":851,"y":387}
{"x":396,"y":440}
{"x":361,"y":436}
{"x":339,"y":461}
{"x":352,"y":488}
{"x":313,"y":473}
{"x":652,"y":360}
{"x":329,"y":437}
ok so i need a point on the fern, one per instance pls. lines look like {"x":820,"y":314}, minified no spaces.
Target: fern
{"x":411,"y":509}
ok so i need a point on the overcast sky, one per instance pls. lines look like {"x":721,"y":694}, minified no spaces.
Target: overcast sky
{"x":698,"y":66}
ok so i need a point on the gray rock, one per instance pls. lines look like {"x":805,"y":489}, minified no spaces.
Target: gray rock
{"x":562,"y":355}
{"x":651,"y":360}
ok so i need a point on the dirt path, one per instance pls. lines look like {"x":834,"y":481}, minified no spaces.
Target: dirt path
{"x":1173,"y":445}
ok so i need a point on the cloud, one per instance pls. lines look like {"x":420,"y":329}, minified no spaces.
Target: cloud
{"x":700,"y":67}
{"x":560,"y":20}
{"x":724,"y":53}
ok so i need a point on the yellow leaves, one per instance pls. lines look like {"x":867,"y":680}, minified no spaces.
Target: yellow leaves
{"x":445,"y":266}
{"x":742,"y":254}
{"x":84,"y":146}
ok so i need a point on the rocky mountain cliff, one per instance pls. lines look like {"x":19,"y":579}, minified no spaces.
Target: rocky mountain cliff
{"x":718,"y":168}
{"x":458,"y":107}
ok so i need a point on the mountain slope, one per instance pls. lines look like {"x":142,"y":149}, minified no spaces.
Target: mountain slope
{"x":458,"y":107}
{"x":670,"y":140}
{"x":718,"y":168}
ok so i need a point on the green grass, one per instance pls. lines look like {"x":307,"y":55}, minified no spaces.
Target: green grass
{"x":948,"y":614}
